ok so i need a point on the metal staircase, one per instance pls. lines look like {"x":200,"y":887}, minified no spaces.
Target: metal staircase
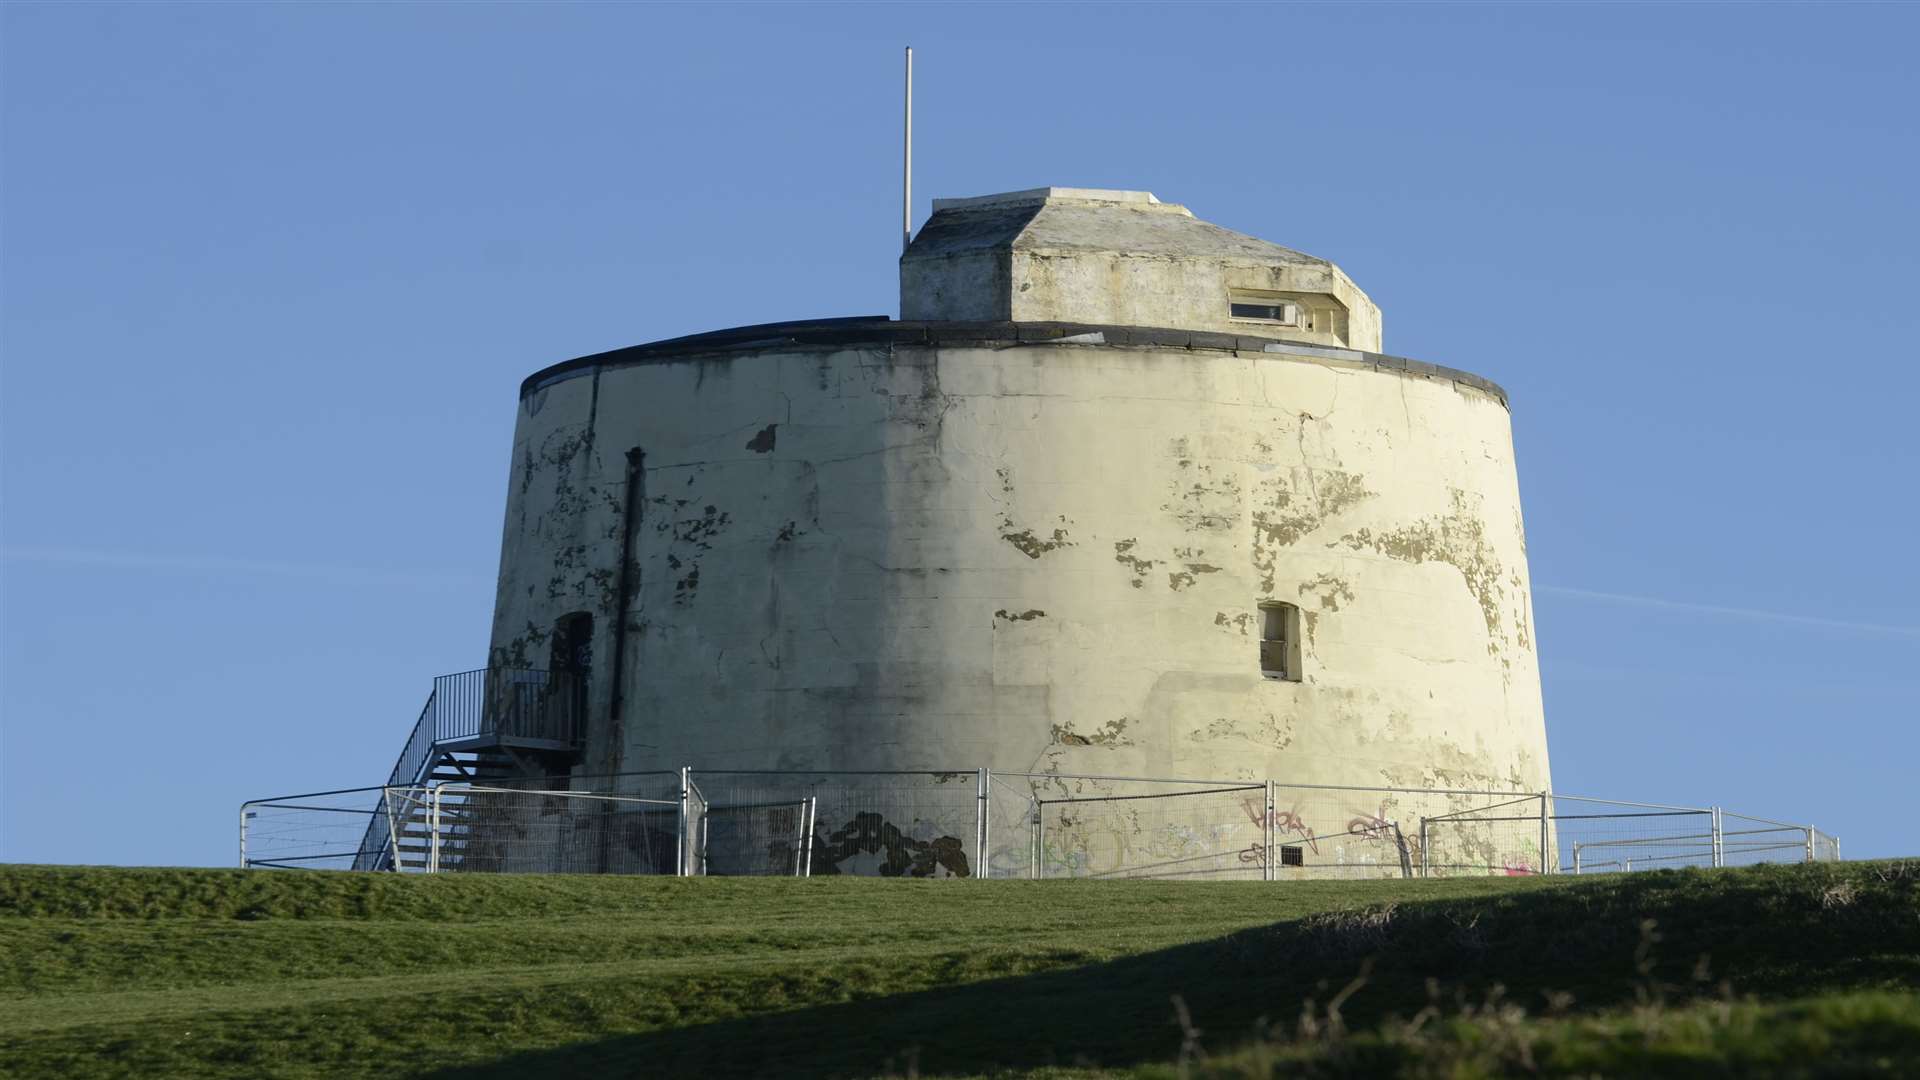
{"x":482,"y":726}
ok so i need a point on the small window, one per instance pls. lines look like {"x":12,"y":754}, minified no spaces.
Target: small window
{"x":1279,"y":640}
{"x":1283,"y":312}
{"x":1292,"y":855}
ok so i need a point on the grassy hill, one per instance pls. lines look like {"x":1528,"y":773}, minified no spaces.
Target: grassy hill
{"x":1799,"y":970}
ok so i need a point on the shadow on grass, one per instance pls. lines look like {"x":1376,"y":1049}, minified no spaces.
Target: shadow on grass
{"x":1768,"y":934}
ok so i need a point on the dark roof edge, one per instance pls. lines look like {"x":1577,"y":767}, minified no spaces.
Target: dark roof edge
{"x":879,"y":329}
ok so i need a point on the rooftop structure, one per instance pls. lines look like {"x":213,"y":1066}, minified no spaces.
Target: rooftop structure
{"x":1124,"y":258}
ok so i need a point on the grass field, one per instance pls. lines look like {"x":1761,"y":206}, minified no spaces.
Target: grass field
{"x":1790,"y":971}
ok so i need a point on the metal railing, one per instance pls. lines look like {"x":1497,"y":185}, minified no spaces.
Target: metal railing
{"x":520,"y":705}
{"x":982,"y":823}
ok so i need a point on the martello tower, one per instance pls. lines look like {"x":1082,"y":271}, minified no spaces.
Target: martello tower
{"x":1122,"y":492}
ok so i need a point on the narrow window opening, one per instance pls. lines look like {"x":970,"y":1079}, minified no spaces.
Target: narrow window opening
{"x":1279,"y":640}
{"x":1292,"y":855}
{"x":1274,"y":311}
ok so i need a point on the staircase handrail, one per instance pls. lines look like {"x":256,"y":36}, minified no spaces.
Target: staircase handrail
{"x":376,"y":847}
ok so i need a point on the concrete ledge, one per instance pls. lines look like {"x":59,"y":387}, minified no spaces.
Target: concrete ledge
{"x":879,"y":330}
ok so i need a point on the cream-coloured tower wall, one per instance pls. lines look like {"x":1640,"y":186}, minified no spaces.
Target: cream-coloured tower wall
{"x":1030,"y":556}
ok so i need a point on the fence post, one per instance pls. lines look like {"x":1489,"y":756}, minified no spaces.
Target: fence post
{"x":1266,"y":838}
{"x":1719,"y":840}
{"x":433,"y":831}
{"x":1039,"y":839}
{"x":1576,"y":860}
{"x":1810,"y":843}
{"x":680,"y":859}
{"x":1423,"y":847}
{"x":1033,"y":838}
{"x":393,"y":830}
{"x":1545,"y":862}
{"x":980,"y":827}
{"x":813,"y":814}
{"x":243,"y":836}
{"x":802,"y":812}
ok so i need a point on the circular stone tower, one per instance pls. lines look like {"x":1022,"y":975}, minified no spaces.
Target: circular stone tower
{"x":1122,"y":492}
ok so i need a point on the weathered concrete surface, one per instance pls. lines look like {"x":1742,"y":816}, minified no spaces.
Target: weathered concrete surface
{"x":1033,"y":556}
{"x":1120,"y":257}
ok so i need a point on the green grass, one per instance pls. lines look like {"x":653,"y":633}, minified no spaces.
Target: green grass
{"x":1802,"y":970}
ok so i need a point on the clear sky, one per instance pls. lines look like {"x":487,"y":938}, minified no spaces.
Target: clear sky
{"x":273,"y":273}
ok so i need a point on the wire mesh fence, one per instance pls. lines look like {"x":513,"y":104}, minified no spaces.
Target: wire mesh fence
{"x":322,"y":830}
{"x":1103,"y":826}
{"x":1337,"y":832}
{"x":980,"y":823}
{"x":885,"y":824}
{"x":476,"y":829}
{"x":1748,"y":840}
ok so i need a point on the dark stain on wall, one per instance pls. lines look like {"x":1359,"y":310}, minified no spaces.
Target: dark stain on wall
{"x":763,"y":442}
{"x":1024,"y":616}
{"x":869,"y":833}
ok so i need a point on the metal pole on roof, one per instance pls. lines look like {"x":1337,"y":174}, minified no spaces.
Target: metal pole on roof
{"x":906,"y":196}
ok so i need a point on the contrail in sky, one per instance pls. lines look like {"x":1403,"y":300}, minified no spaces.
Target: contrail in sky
{"x":1731,"y":612}
{"x":135,"y":560}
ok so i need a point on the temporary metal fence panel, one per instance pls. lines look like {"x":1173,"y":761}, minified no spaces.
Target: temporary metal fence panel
{"x":1583,"y":835}
{"x":323,"y":830}
{"x":1113,"y":827}
{"x":755,"y":840}
{"x":406,"y":815}
{"x":1010,"y":820}
{"x":885,"y":824}
{"x":1751,"y":840}
{"x":462,"y":828}
{"x":1346,"y":832}
{"x":1595,"y":836}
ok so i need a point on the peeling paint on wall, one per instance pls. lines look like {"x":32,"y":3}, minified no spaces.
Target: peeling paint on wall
{"x":1241,"y":621}
{"x":1180,"y":579}
{"x":1295,"y":507}
{"x":1457,"y":539}
{"x":1330,"y":589}
{"x":1123,"y":554}
{"x":1202,"y":499}
{"x":1033,"y":546}
{"x":1110,"y":733}
{"x":1266,"y":730}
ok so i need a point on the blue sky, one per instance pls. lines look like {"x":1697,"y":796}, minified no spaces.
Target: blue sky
{"x":272,"y":275}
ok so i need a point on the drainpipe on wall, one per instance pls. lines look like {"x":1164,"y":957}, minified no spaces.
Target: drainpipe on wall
{"x":623,"y":595}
